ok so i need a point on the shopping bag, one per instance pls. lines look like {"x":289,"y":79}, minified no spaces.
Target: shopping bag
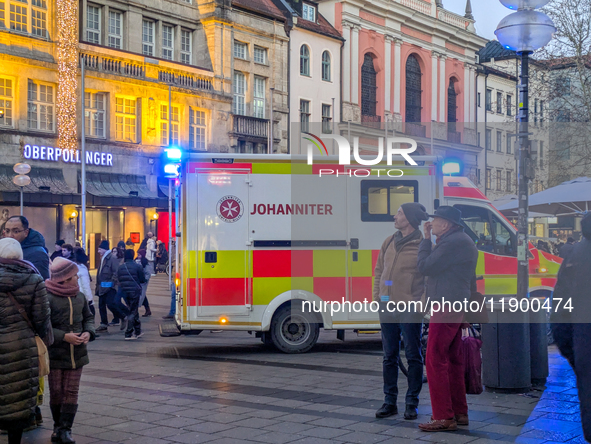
{"x":472,"y":362}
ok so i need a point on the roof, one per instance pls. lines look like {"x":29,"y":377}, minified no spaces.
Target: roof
{"x":262,"y":7}
{"x":499,"y":73}
{"x":565,"y":62}
{"x":321,"y":26}
{"x":494,"y":50}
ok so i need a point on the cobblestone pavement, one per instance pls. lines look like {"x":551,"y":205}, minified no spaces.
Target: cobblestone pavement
{"x":227,"y":388}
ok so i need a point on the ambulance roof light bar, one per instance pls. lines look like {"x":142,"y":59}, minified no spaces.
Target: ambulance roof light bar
{"x":451,"y":167}
{"x":174,"y":153}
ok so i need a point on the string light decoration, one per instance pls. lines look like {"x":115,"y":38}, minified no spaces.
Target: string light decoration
{"x":67,"y":55}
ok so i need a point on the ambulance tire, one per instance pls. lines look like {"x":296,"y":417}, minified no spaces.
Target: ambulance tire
{"x":294,"y":331}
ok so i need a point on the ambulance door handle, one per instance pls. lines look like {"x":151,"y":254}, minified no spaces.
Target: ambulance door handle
{"x":354,"y":244}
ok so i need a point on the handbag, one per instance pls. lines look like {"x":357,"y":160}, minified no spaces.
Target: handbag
{"x":41,"y":347}
{"x":472,"y":362}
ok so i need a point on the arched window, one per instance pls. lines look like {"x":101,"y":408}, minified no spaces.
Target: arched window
{"x":452,"y":101}
{"x":326,"y":66}
{"x":304,"y":60}
{"x":413,"y":90}
{"x":368,"y":86}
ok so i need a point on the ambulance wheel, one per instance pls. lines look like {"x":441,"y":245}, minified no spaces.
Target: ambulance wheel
{"x":294,"y":331}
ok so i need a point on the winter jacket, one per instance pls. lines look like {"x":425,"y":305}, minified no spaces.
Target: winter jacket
{"x":84,"y":283}
{"x":19,"y":365}
{"x":151,"y":250}
{"x":566,"y":250}
{"x":106,"y":276}
{"x":449,"y":266}
{"x":396,"y":274}
{"x":131,"y":276}
{"x":35,"y":252}
{"x":69,"y":315}
{"x":57,"y":253}
{"x":161,"y":255}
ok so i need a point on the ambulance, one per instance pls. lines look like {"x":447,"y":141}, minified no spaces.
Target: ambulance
{"x":258,"y":235}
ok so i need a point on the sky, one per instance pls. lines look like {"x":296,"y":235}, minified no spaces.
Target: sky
{"x":488,"y":14}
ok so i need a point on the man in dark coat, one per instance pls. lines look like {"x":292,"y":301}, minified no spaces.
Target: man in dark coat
{"x":131,"y":277}
{"x":450,"y":267}
{"x":570,"y":326}
{"x":32,"y":243}
{"x":567,"y":248}
{"x":106,"y":286}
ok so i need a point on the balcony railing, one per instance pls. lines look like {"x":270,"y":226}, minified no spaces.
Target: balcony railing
{"x":251,"y":126}
{"x":418,"y":5}
{"x":452,"y":19}
{"x":185,"y":81}
{"x":112,"y":65}
{"x":454,"y":136}
{"x":415,"y":129}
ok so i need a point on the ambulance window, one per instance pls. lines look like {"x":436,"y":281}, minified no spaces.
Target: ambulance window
{"x":380,"y":199}
{"x":487,"y":230}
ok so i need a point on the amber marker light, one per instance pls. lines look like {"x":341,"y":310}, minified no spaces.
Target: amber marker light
{"x":223,"y":320}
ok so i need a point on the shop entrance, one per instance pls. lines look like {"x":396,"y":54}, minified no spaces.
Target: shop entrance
{"x":103,"y":224}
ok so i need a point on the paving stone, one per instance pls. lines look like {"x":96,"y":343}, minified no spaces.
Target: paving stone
{"x":363,"y":437}
{"x":324,"y":432}
{"x":192,"y":438}
{"x":208,"y":427}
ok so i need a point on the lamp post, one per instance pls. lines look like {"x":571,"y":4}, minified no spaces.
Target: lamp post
{"x":524,"y":31}
{"x":21,"y":180}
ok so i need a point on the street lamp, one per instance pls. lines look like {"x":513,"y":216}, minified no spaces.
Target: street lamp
{"x":21,"y":180}
{"x":524,"y":32}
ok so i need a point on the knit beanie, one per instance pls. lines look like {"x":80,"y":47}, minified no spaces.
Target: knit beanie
{"x":586,"y":226}
{"x":10,"y":249}
{"x":415,"y":213}
{"x":104,"y":245}
{"x":62,"y":269}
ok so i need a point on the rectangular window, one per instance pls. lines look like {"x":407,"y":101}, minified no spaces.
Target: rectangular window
{"x":478,"y":100}
{"x":115,"y":35}
{"x":488,"y":179}
{"x":197,"y":129}
{"x":499,"y":142}
{"x":174,"y":123}
{"x":509,"y":142}
{"x":125,"y":119}
{"x":326,"y":119}
{"x":259,"y":97}
{"x":18,"y":17}
{"x":488,"y":100}
{"x":488,"y":139}
{"x":380,"y":199}
{"x":6,"y":99}
{"x":239,"y":88}
{"x":186,"y":46}
{"x":541,"y":111}
{"x":167,"y":42}
{"x":509,"y":182}
{"x":541,"y":154}
{"x":2,"y":12}
{"x":499,"y":173}
{"x":260,"y":55}
{"x":499,"y":103}
{"x":93,"y":24}
{"x":240,"y":50}
{"x":40,"y":106}
{"x":94,"y":113}
{"x":304,"y":115}
{"x":39,"y":22}
{"x":309,"y":12}
{"x":148,"y":38}
{"x":509,"y":105}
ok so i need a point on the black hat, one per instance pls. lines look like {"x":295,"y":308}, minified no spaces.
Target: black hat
{"x":448,"y":213}
{"x":104,"y":245}
{"x":60,"y":242}
{"x":415,"y":213}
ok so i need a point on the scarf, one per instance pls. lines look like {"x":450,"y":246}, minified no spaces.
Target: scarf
{"x":400,"y":241}
{"x":64,"y":289}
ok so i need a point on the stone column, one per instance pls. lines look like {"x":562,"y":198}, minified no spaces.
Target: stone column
{"x":347,"y":68}
{"x":434,"y":83}
{"x":387,"y":73}
{"x":466,"y":92}
{"x":472,"y":94}
{"x":442,"y":87}
{"x":397,"y":74}
{"x":355,"y":65}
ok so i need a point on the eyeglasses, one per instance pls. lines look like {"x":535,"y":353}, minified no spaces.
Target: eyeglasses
{"x":8,"y":231}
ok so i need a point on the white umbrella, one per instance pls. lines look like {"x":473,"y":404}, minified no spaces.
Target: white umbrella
{"x":568,"y":198}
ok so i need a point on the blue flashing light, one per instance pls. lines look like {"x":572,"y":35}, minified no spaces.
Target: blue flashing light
{"x":174,"y":153}
{"x":171,"y":170}
{"x":452,"y":167}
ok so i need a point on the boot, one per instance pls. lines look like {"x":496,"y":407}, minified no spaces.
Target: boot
{"x":67,"y":415}
{"x":55,"y":413}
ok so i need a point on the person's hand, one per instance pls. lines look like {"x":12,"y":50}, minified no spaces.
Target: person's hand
{"x":73,"y":338}
{"x":85,"y":336}
{"x":427,"y":230}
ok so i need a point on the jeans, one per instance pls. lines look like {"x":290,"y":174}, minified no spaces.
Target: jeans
{"x":133,"y":319}
{"x":172,"y":302}
{"x":411,"y":332}
{"x":114,"y":304}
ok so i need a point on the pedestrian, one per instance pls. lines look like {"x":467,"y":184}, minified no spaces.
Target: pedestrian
{"x":141,"y":259}
{"x":19,"y":365}
{"x":131,"y":277}
{"x":5,"y":216}
{"x":571,"y":328}
{"x":398,"y":279}
{"x":80,"y":258}
{"x":73,"y":328}
{"x":119,"y":250}
{"x":450,"y":268}
{"x":58,"y":249}
{"x":106,"y":288}
{"x":567,"y":248}
{"x":161,"y":256}
{"x":68,"y":252}
{"x":151,"y":253}
{"x":32,"y":243}
{"x":144,"y":243}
